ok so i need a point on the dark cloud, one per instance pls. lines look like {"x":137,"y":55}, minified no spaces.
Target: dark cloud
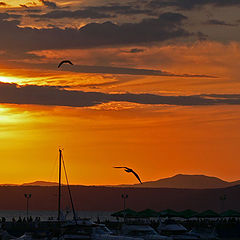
{"x":134,"y":50}
{"x":108,"y":70}
{"x":7,"y":16}
{"x":95,"y":12}
{"x":49,"y":4}
{"x":224,"y":3}
{"x":33,"y":10}
{"x":50,"y":95}
{"x":218,"y":22}
{"x":52,"y":26}
{"x":191,"y":4}
{"x":201,"y":36}
{"x":58,"y":14}
{"x":121,"y":9}
{"x":23,"y":5}
{"x":26,"y":9}
{"x":21,"y":39}
{"x":4,"y":15}
{"x":128,"y":71}
{"x":3,"y":4}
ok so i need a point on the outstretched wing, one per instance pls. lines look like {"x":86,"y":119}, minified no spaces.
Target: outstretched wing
{"x":129,"y":170}
{"x":64,"y":61}
{"x":136,"y":175}
{"x":126,"y":169}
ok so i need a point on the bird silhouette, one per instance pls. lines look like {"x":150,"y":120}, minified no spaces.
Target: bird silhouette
{"x":129,"y":170}
{"x":64,"y":61}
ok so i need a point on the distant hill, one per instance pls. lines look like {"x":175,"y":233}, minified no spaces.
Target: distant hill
{"x":40,"y":183}
{"x":182,"y":181}
{"x":187,"y":182}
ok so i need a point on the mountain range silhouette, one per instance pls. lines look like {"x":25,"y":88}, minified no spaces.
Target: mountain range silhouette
{"x":188,"y":182}
{"x":183,"y":181}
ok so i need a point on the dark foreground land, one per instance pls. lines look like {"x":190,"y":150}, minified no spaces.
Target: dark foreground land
{"x":224,"y":228}
{"x":109,"y":198}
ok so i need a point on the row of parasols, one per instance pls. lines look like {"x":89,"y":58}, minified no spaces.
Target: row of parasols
{"x":149,"y":213}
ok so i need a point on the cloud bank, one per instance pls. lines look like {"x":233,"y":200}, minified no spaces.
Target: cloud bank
{"x":51,"y":95}
{"x":121,"y":70}
{"x":22,"y":39}
{"x":59,"y":14}
{"x":191,"y":4}
{"x":49,"y":4}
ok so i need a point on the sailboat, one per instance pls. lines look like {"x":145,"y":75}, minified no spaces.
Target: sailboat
{"x":60,"y":215}
{"x":80,"y":229}
{"x":77,"y":228}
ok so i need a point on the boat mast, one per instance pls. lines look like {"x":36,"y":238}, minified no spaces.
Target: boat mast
{"x":59,"y":185}
{"x":69,"y":191}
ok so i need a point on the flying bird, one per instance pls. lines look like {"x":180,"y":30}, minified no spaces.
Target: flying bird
{"x":129,"y":170}
{"x":63,"y":62}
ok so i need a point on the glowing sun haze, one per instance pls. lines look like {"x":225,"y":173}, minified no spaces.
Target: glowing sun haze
{"x":154,"y":86}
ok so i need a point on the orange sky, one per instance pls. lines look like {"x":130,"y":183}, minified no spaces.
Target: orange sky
{"x":156,"y":140}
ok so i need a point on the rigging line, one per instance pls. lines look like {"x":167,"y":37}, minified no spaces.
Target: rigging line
{"x":53,"y":171}
{"x":69,"y":191}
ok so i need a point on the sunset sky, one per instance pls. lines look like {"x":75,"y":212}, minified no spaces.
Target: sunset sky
{"x":154,"y":86}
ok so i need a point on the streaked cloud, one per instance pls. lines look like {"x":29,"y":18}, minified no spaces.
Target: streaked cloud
{"x":111,"y":70}
{"x":119,"y":70}
{"x":51,"y":95}
{"x":4,"y":16}
{"x":49,"y":4}
{"x":3,"y":4}
{"x":191,"y":4}
{"x":59,"y":14}
{"x":94,"y":12}
{"x":122,"y":9}
{"x":135,"y":50}
{"x":220,"y":22}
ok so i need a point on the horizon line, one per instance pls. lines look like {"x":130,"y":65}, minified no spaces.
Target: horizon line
{"x":112,"y":185}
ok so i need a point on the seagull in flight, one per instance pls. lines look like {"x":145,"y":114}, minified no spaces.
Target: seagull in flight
{"x":63,"y":62}
{"x":129,"y":170}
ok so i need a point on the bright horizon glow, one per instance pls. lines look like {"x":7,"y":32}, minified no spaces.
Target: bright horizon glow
{"x":167,"y":140}
{"x":6,"y":79}
{"x":16,"y":3}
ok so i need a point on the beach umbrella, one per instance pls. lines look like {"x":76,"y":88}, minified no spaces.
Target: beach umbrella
{"x":129,"y":213}
{"x":208,"y":214}
{"x":168,"y":213}
{"x":230,"y":213}
{"x":188,"y":213}
{"x":147,"y":213}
